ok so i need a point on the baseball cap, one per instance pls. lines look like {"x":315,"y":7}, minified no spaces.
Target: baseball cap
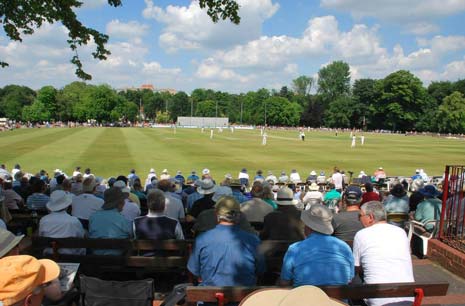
{"x":22,"y":274}
{"x":353,"y":194}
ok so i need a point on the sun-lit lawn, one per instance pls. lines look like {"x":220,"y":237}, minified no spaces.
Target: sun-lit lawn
{"x":114,"y":151}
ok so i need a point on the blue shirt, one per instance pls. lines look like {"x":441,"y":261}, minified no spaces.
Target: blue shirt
{"x":37,"y":201}
{"x":226,"y":256}
{"x":429,"y":209}
{"x":318,"y":260}
{"x":109,"y":224}
{"x":396,"y":205}
{"x":192,"y":198}
{"x":240,"y":197}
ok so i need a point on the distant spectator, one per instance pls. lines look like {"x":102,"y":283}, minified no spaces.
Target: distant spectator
{"x":12,"y":200}
{"x":193,"y":176}
{"x":337,"y":179}
{"x":347,"y":223}
{"x":244,"y":177}
{"x":237,"y":189}
{"x":150,"y":177}
{"x":430,"y":208}
{"x":165,"y":175}
{"x":321,"y":179}
{"x":179,"y":177}
{"x":130,"y":209}
{"x":370,"y":194}
{"x":268,"y":195}
{"x":283,"y":178}
{"x":284,"y":223}
{"x":271,"y":178}
{"x":85,"y":204}
{"x":295,"y":176}
{"x":397,"y":202}
{"x":131,"y":177}
{"x":256,"y":209}
{"x":138,"y":190}
{"x":173,"y":206}
{"x":37,"y":200}
{"x":311,"y":178}
{"x":380,"y":175}
{"x":76,"y":185}
{"x":207,"y":188}
{"x":313,"y":195}
{"x":320,"y":259}
{"x":259,"y":176}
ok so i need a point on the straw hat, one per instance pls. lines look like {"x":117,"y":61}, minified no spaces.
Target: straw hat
{"x":285,"y":196}
{"x":59,"y":200}
{"x":318,"y":218}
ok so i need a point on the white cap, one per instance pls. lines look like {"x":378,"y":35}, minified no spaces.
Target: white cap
{"x":205,"y":171}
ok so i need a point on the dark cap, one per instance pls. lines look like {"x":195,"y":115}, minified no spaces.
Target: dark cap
{"x":112,"y":197}
{"x":353,"y":194}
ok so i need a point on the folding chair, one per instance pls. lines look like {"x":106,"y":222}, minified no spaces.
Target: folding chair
{"x":97,"y":292}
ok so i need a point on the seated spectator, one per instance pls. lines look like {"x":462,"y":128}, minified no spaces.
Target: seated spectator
{"x":173,"y":206}
{"x":85,"y":204}
{"x":131,"y":177}
{"x":207,"y":219}
{"x":313,"y":195}
{"x":284,"y":223}
{"x":207,"y":188}
{"x":268,"y":195}
{"x":138,"y":190}
{"x":237,"y":189}
{"x":25,"y":280}
{"x":283,"y":178}
{"x":179,"y":177}
{"x":124,"y":183}
{"x":320,"y":259}
{"x":321,"y":179}
{"x":256,"y":209}
{"x":193,"y":176}
{"x":109,"y":222}
{"x":226,"y":255}
{"x":430,"y":208}
{"x":156,"y":225}
{"x":295,"y":177}
{"x":397,"y":201}
{"x":165,"y":175}
{"x":370,"y":194}
{"x":311,"y":178}
{"x":37,"y":200}
{"x":332,"y":193}
{"x":259,"y":176}
{"x":244,"y":177}
{"x":347,"y":223}
{"x":9,"y":243}
{"x":59,"y":224}
{"x":271,"y":178}
{"x":382,"y":252}
{"x":12,"y":200}
{"x":149,"y":184}
{"x":76,"y":185}
{"x":415,"y":197}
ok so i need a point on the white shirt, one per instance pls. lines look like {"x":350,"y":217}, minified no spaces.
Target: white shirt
{"x":337,"y":180}
{"x":130,"y":210}
{"x":173,"y":207}
{"x":295,"y":177}
{"x":383,"y":252}
{"x":272,"y":178}
{"x":313,"y":195}
{"x":85,"y":205}
{"x":243,"y":175}
{"x":62,"y":225}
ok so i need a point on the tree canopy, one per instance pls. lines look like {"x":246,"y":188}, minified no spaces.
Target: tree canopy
{"x":23,"y":17}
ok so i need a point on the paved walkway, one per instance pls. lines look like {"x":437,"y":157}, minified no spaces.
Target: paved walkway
{"x":426,"y":270}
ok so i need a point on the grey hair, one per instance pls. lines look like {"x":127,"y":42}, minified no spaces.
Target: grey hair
{"x":376,"y":209}
{"x":156,"y":200}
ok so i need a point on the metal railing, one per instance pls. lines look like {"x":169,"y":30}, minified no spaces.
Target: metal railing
{"x":452,"y":223}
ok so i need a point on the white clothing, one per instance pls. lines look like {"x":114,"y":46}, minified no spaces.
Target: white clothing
{"x":295,"y":177}
{"x":130,"y":210}
{"x":312,"y":195}
{"x":362,"y":140}
{"x":84,"y":205}
{"x":264,"y":139}
{"x":321,"y":179}
{"x":211,"y":134}
{"x":272,"y":178}
{"x":243,"y":175}
{"x":383,"y":252}
{"x":14,"y":171}
{"x":75,"y":173}
{"x":173,"y":207}
{"x":353,"y":141}
{"x":61,"y":225}
{"x":337,"y":180}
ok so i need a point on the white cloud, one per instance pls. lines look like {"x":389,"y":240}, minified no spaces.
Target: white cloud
{"x":92,"y":4}
{"x":189,"y":27}
{"x":126,"y":30}
{"x":421,"y":28}
{"x":399,"y":10}
{"x":454,"y":70}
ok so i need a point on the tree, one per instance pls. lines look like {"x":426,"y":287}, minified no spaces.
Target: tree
{"x":440,"y":90}
{"x":206,"y":109}
{"x":179,"y":105}
{"x":402,"y":98}
{"x":12,"y":100}
{"x":36,"y":112}
{"x":364,"y":102}
{"x":47,"y":95}
{"x":334,"y":81}
{"x":339,"y":113}
{"x":451,"y":114}
{"x":23,"y":17}
{"x":313,"y":112}
{"x":302,"y":85}
{"x":279,"y":111}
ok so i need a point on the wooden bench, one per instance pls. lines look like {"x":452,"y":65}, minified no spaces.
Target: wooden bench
{"x":223,"y":295}
{"x":169,"y":255}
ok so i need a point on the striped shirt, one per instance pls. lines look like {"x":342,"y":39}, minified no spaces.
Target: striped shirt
{"x":37,"y":201}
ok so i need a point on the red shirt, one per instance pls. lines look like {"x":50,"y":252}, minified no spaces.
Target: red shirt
{"x":370,"y":196}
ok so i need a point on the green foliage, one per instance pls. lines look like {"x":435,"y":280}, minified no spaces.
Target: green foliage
{"x":451,"y":114}
{"x":23,"y":17}
{"x":279,"y":111}
{"x":12,"y":100}
{"x":313,"y":113}
{"x":179,"y":105}
{"x":339,"y":113}
{"x":206,"y":109}
{"x":334,"y":81}
{"x":37,"y":112}
{"x":302,"y":85}
{"x":162,"y":117}
{"x":47,"y":96}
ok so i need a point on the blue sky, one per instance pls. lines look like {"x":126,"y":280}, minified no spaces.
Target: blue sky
{"x":174,"y":44}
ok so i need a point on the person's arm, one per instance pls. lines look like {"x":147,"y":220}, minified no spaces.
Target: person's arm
{"x":287,"y":269}
{"x":178,"y":232}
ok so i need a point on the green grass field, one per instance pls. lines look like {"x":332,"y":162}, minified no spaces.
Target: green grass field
{"x":114,"y":151}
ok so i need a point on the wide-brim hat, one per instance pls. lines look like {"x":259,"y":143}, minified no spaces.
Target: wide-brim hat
{"x":303,"y":295}
{"x":206,"y":187}
{"x":313,"y":172}
{"x":235,"y":183}
{"x":318,"y":218}
{"x":285,"y":196}
{"x":398,"y":190}
{"x":112,"y":197}
{"x":221,"y":191}
{"x":59,"y":200}
{"x":429,"y":191}
{"x":314,"y":187}
{"x":8,"y":241}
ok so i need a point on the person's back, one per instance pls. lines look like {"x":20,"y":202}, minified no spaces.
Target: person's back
{"x":428,"y":210}
{"x":256,"y":209}
{"x":283,"y":224}
{"x":85,"y":204}
{"x":346,"y":224}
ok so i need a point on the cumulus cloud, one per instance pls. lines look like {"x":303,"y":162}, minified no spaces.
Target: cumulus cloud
{"x":189,"y":27}
{"x":454,"y":70}
{"x":126,"y":30}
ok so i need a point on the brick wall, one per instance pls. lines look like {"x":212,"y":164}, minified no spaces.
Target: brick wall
{"x":449,"y":258}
